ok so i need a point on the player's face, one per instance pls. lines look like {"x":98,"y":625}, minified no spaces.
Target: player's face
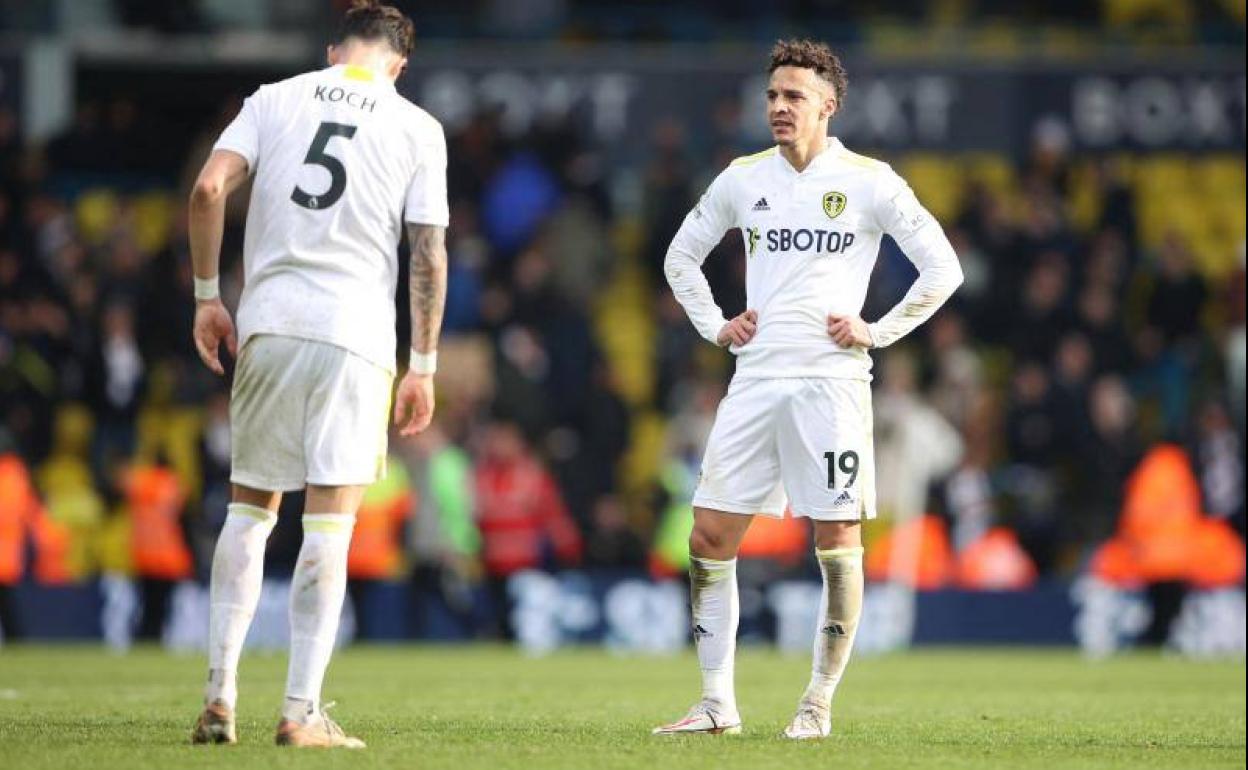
{"x":799,"y":104}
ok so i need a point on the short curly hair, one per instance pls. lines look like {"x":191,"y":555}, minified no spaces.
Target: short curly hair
{"x":813,"y":55}
{"x":370,"y":20}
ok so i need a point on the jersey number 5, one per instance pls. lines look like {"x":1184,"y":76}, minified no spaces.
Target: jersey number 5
{"x":337,"y":173}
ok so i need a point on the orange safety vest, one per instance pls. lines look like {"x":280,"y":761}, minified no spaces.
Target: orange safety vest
{"x":1115,"y":562}
{"x":1161,"y":513}
{"x":996,"y":562}
{"x":21,"y":510}
{"x":783,"y":540}
{"x":155,"y":500}
{"x":934,"y":566}
{"x":376,"y":544}
{"x":1163,"y":534}
{"x":1219,"y":556}
{"x":18,"y":505}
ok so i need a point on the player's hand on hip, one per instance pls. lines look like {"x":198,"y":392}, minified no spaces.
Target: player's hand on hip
{"x":739,"y":330}
{"x":849,"y":331}
{"x":212,"y":327}
{"x":413,"y":403}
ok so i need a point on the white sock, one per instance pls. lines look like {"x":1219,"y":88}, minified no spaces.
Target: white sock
{"x":716,"y":612}
{"x":237,"y":575}
{"x":839,"y":611}
{"x":316,"y":594}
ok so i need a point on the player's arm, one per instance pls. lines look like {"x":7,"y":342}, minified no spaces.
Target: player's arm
{"x":427,"y":215}
{"x":413,"y":408}
{"x":701,"y":231}
{"x":920,"y":237}
{"x":223,"y":173}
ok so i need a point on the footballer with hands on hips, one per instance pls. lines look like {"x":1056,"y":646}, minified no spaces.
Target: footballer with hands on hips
{"x":341,"y":164}
{"x":794,"y":429}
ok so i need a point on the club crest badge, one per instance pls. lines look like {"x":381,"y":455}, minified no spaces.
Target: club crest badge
{"x":834,"y":204}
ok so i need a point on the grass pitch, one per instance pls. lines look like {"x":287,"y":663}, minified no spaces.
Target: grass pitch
{"x":487,"y":707}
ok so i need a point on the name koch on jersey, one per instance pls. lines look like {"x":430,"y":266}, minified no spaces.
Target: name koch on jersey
{"x":340,"y":161}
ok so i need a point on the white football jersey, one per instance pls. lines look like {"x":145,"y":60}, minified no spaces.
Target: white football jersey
{"x":340,"y":160}
{"x":811,"y":241}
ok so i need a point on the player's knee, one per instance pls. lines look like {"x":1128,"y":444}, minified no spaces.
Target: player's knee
{"x":837,"y":534}
{"x":709,"y":544}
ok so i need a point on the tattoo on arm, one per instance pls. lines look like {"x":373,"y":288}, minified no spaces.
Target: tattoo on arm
{"x":427,"y":284}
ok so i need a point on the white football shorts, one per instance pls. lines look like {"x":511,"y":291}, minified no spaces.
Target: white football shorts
{"x":305,"y":412}
{"x":808,"y":437}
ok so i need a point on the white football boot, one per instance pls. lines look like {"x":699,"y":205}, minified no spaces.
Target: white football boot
{"x":811,"y":722}
{"x":215,"y":724}
{"x":705,"y":718}
{"x":318,"y":732}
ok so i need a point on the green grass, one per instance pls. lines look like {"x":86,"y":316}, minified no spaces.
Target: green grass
{"x":484,"y":707}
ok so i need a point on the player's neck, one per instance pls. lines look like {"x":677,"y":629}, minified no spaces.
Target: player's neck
{"x":371,"y":58}
{"x":800,"y":154}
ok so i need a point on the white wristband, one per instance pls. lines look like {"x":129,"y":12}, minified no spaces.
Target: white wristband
{"x":423,"y":363}
{"x":207,"y":288}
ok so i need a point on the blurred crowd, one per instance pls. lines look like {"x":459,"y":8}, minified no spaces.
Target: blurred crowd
{"x":574,"y":396}
{"x":941,"y":22}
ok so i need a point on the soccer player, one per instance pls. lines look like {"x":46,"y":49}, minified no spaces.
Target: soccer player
{"x":795,"y":426}
{"x":340,"y":162}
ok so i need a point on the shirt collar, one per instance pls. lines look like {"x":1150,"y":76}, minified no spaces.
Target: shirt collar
{"x":832,"y":149}
{"x":359,"y":74}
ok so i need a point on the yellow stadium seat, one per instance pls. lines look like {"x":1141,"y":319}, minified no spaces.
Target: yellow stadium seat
{"x":153,"y":220}
{"x":938,"y":183}
{"x":96,"y":213}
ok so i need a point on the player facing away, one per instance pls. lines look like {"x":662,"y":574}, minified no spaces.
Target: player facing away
{"x":795,"y":425}
{"x":340,"y":161}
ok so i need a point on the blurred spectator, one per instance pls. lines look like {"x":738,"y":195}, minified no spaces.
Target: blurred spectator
{"x":959,"y":372}
{"x":520,"y":511}
{"x":68,"y":487}
{"x":117,"y":377}
{"x":1236,"y":343}
{"x":1220,"y":459}
{"x":1176,"y":295}
{"x":468,"y":254}
{"x":516,"y":200}
{"x":1043,"y":316}
{"x":585,"y":454}
{"x":1100,"y":322}
{"x":1073,"y":369}
{"x":444,"y":537}
{"x":914,"y":445}
{"x":1110,"y":450}
{"x":612,"y":542}
{"x":376,"y":553}
{"x":1032,"y":441}
{"x":156,"y":503}
{"x":20,"y":509}
{"x":667,"y":196}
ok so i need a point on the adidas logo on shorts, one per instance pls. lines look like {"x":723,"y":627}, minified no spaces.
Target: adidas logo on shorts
{"x":844,"y":499}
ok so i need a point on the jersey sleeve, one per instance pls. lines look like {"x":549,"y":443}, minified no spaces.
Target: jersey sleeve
{"x":242,"y":136}
{"x":899,"y":214}
{"x":426,"y":194}
{"x":701,"y":231}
